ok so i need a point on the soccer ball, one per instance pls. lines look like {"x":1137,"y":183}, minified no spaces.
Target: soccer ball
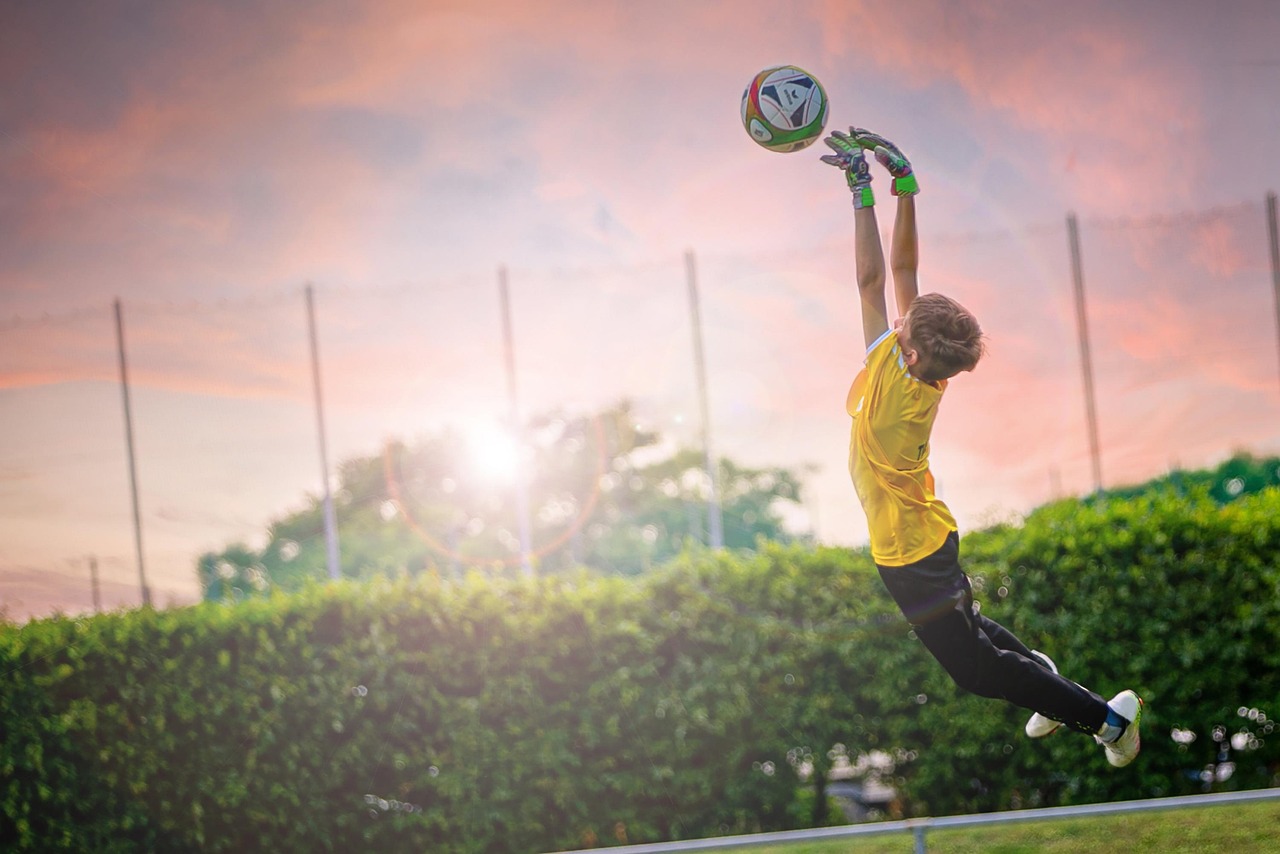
{"x":784,"y":108}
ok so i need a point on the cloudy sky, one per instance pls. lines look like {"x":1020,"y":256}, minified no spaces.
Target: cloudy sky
{"x":202,"y":163}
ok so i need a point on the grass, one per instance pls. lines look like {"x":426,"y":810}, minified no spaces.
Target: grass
{"x":1234,"y":828}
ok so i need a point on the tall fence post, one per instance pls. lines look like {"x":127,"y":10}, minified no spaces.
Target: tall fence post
{"x":133,"y":466}
{"x":517,"y":432}
{"x":330,"y":520}
{"x":93,"y":581}
{"x":715,"y":521}
{"x":1274,"y":239}
{"x":1086,"y":361}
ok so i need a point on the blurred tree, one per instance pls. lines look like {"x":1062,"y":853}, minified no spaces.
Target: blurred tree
{"x":231,"y":574}
{"x":604,"y":493}
{"x":1240,"y":475}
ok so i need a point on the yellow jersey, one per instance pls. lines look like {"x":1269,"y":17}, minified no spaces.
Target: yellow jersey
{"x":893,"y":414}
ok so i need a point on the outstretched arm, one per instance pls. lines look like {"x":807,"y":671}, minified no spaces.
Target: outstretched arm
{"x":869,"y":257}
{"x":868,"y":252}
{"x":904,"y":255}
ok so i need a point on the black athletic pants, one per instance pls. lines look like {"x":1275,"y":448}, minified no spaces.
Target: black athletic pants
{"x":978,"y":653}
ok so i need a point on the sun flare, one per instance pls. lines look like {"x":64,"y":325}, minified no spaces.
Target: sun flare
{"x":495,"y":453}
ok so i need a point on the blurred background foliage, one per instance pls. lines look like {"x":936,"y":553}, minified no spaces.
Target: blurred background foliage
{"x":710,"y":695}
{"x":604,"y":494}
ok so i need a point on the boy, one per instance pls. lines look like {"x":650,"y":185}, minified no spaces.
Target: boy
{"x":914,"y":540}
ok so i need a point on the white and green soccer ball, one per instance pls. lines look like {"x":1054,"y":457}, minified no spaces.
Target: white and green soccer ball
{"x":784,"y":108}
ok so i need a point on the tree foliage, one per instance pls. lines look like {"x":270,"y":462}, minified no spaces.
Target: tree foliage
{"x":1240,"y":475}
{"x":603,"y":493}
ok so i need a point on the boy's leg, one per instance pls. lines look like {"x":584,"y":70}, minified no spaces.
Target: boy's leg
{"x":978,"y":665}
{"x":1002,"y":637}
{"x":979,"y":654}
{"x":1039,"y":725}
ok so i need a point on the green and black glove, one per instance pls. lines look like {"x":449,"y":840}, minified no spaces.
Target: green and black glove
{"x":850,"y":158}
{"x":891,"y":158}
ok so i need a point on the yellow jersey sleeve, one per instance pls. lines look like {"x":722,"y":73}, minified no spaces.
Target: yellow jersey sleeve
{"x":893,"y":415}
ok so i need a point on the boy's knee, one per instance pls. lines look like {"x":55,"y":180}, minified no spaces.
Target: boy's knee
{"x":952,"y":642}
{"x":973,"y":675}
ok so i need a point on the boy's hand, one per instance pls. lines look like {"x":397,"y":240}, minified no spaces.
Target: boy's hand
{"x":891,"y":158}
{"x":850,"y":158}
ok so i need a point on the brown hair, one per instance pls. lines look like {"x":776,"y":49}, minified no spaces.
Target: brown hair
{"x":947,"y":336}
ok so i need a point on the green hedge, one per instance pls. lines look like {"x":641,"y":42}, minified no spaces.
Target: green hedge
{"x":418,"y":715}
{"x":487,"y":716}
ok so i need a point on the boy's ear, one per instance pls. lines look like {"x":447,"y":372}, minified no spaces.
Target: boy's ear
{"x":910,"y":356}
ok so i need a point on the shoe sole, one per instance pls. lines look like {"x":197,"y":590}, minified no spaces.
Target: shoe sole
{"x":1053,"y":668}
{"x":1056,"y":726}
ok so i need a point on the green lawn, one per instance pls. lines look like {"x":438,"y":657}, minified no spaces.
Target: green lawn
{"x":1233,"y":828}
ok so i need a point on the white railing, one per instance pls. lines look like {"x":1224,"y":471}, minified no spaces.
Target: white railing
{"x":918,"y":826}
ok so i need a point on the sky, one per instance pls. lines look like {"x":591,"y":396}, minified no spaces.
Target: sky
{"x":203,"y":163}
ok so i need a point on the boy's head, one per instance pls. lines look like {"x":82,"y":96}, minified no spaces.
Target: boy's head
{"x":939,"y":338}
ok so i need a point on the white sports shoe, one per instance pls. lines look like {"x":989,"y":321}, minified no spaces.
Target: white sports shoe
{"x":1039,"y":726}
{"x":1122,"y":751}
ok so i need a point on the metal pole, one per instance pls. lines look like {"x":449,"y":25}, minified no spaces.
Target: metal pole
{"x":1275,"y":253}
{"x":521,"y":483}
{"x":133,"y":468}
{"x":715,"y":522}
{"x":1086,"y":361}
{"x":330,"y":521}
{"x":93,"y":580}
{"x":917,"y":832}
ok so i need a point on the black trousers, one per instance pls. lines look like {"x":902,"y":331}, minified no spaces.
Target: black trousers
{"x":979,"y":654}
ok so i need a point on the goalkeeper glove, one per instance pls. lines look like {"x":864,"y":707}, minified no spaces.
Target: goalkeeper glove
{"x":891,"y":158}
{"x":850,"y":158}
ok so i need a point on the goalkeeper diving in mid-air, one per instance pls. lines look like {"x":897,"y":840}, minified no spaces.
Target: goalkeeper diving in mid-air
{"x":914,"y":540}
